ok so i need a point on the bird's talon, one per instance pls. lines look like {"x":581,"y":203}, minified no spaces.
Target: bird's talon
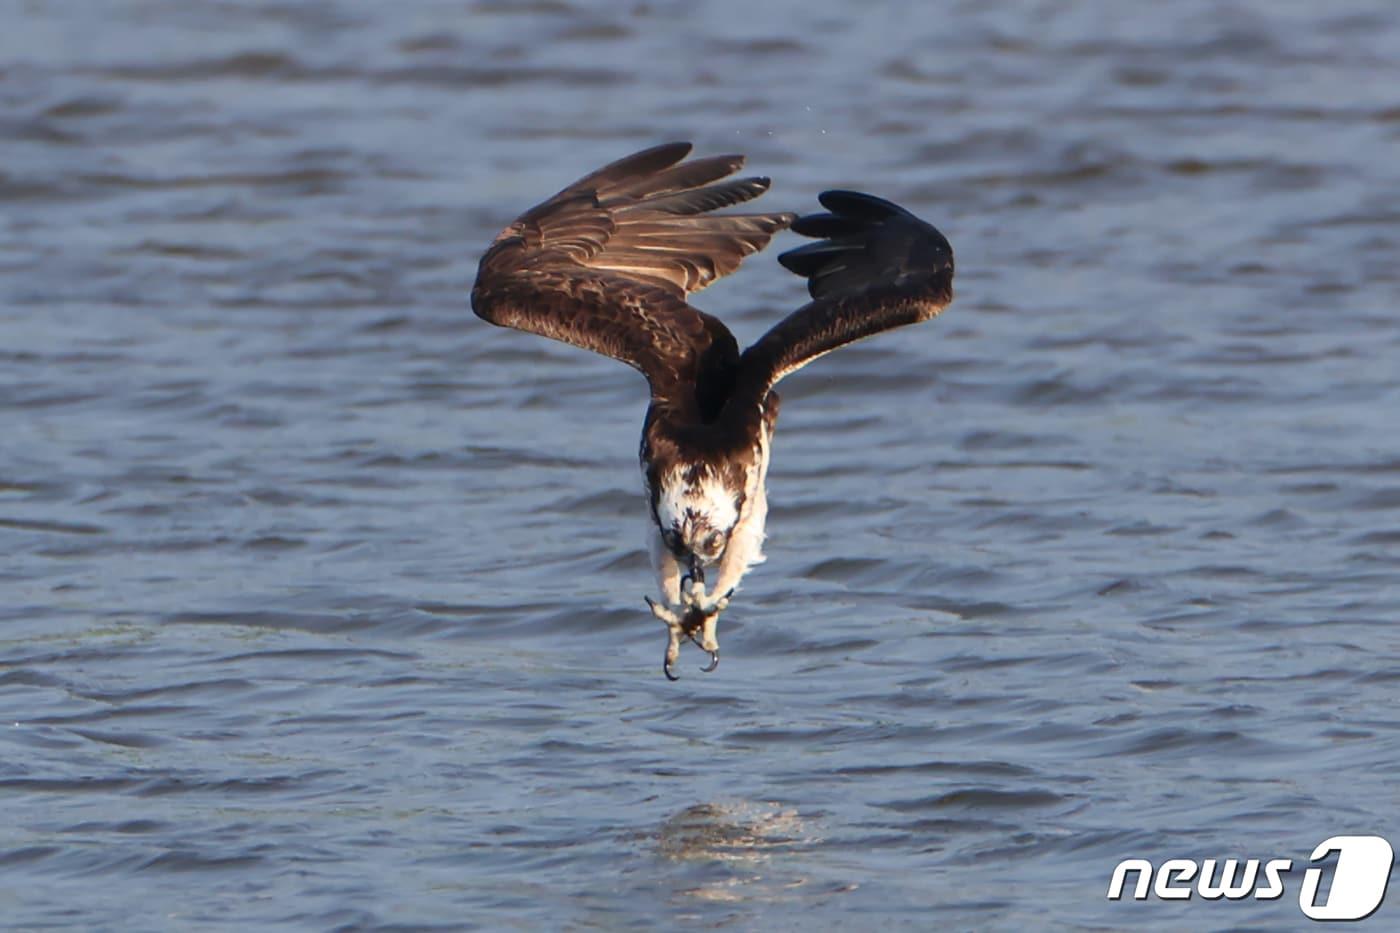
{"x":666,"y":669}
{"x":714,"y":662}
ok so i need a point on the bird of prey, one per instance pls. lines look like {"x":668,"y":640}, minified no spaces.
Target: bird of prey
{"x":608,"y":263}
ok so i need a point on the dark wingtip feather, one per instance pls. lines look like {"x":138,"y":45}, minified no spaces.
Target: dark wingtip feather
{"x":825,"y":225}
{"x":863,"y":240}
{"x":859,"y":205}
{"x":807,"y":260}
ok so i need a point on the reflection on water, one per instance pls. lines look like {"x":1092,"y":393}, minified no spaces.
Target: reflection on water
{"x":743,"y":853}
{"x":730,"y":833}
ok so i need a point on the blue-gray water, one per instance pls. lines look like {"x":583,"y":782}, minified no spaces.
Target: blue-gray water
{"x":321,"y":600}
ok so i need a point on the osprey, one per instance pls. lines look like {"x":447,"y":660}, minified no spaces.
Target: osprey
{"x":607,"y":264}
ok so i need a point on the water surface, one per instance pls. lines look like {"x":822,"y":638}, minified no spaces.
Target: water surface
{"x":321,"y":599}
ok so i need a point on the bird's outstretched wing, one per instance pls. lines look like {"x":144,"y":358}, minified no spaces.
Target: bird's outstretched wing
{"x":607,"y":263}
{"x":875,"y":267}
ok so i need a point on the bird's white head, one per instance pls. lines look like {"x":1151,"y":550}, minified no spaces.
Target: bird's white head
{"x":696,"y":512}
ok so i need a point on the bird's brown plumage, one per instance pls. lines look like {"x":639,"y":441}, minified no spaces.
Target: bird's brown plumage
{"x":606,"y":264}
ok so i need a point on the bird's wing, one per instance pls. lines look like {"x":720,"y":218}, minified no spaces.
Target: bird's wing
{"x":607,"y":263}
{"x":875,"y":267}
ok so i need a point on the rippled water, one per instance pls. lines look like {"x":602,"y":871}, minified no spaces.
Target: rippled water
{"x":321,"y":599}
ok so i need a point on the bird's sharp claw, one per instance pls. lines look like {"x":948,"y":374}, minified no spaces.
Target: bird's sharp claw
{"x":666,"y":669}
{"x":714,"y":662}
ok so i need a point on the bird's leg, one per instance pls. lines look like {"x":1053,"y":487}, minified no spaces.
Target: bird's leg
{"x":673,"y":650}
{"x":671,"y":610}
{"x":675,"y":627}
{"x":668,"y":573}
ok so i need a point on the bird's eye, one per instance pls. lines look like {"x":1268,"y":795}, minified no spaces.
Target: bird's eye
{"x":713,"y":542}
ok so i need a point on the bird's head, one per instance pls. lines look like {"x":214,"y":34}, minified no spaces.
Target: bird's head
{"x":696,"y":512}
